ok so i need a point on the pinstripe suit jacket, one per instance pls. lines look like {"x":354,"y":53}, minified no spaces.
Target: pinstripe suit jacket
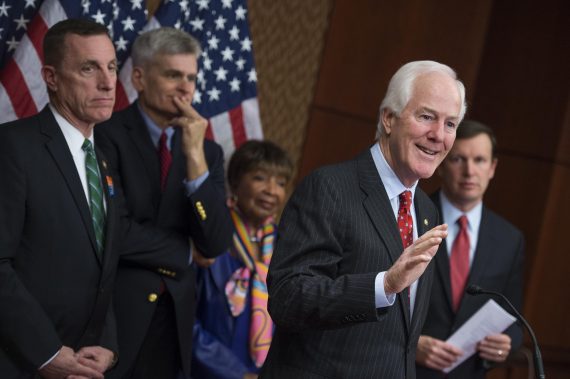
{"x":337,"y":232}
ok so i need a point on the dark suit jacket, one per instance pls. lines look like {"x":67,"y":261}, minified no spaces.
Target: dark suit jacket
{"x":55,"y":289}
{"x":127,"y":144}
{"x":337,"y":232}
{"x":497,"y":266}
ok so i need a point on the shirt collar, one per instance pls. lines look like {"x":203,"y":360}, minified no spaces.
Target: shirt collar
{"x":154,"y":130}
{"x":451,"y":213}
{"x":72,"y":135}
{"x":392,"y":183}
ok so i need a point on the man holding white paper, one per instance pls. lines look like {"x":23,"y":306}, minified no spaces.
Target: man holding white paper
{"x":482,"y":248}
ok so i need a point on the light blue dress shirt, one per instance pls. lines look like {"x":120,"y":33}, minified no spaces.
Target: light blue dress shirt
{"x":394,"y":188}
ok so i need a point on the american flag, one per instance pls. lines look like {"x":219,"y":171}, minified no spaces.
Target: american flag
{"x":226,"y":91}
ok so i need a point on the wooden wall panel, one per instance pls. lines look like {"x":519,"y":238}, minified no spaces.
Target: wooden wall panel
{"x":524,"y":80}
{"x":523,"y":91}
{"x":368,"y":41}
{"x":334,"y":137}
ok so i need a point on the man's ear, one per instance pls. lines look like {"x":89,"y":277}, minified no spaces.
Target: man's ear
{"x":137,"y":78}
{"x":386,"y":119}
{"x":493,"y":167}
{"x":50,"y":77}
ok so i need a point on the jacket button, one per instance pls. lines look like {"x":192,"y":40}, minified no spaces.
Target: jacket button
{"x":152,"y":297}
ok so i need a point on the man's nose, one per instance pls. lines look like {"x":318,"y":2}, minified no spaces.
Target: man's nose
{"x":107,"y":80}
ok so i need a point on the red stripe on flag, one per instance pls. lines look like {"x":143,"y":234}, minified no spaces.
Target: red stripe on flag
{"x":19,"y":94}
{"x":121,"y":98}
{"x":36,"y":32}
{"x":238,"y":127}
{"x":209,"y":133}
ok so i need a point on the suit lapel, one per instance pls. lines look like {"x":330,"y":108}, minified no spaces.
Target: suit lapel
{"x":377,"y":206}
{"x":483,"y":250}
{"x":442,"y":259}
{"x":176,"y":174}
{"x":425,"y":221}
{"x":59,"y":150}
{"x":109,"y":193}
{"x":138,"y":133}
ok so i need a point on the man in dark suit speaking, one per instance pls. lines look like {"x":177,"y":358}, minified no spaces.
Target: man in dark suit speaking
{"x":482,"y":248}
{"x":61,"y":219}
{"x":346,"y":289}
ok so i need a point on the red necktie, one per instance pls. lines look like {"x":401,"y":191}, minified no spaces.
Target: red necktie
{"x":165,"y":159}
{"x":459,"y":262}
{"x":405,"y":222}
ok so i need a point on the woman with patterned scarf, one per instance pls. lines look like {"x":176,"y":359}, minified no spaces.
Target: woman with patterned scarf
{"x":233,"y":329}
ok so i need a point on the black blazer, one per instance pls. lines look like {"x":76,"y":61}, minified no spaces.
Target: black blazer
{"x":127,"y":144}
{"x":497,"y":266}
{"x":337,"y":232}
{"x":55,"y":289}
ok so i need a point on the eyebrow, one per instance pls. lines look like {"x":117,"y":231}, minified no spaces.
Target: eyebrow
{"x":96,"y":63}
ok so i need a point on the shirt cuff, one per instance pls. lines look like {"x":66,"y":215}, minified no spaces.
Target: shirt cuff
{"x":49,"y":360}
{"x":380,"y":296}
{"x":193,"y":185}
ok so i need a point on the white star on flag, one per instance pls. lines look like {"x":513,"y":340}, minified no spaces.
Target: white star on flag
{"x":121,"y":44}
{"x":4,"y":9}
{"x":128,"y":24}
{"x":221,"y":74}
{"x":21,"y":22}
{"x":99,"y":17}
{"x":227,"y":54}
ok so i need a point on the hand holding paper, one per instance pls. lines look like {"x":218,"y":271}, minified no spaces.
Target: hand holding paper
{"x":436,"y":354}
{"x":489,"y":320}
{"x":495,"y":347}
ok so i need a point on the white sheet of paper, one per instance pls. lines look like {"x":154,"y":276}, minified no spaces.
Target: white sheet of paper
{"x":491,"y":318}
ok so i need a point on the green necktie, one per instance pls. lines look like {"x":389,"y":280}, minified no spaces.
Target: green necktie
{"x":95,"y":193}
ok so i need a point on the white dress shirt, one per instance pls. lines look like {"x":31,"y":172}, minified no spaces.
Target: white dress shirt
{"x":394,"y":188}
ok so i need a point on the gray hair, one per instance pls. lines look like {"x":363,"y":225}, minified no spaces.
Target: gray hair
{"x":401,"y":85}
{"x":167,"y":41}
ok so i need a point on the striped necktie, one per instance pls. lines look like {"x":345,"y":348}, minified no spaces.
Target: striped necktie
{"x":95,"y":194}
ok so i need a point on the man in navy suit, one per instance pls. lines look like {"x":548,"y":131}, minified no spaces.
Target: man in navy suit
{"x":155,"y":313}
{"x":62,"y":223}
{"x":494,"y":259}
{"x":348,"y":297}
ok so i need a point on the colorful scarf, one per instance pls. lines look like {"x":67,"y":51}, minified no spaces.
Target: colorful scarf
{"x":253,"y":274}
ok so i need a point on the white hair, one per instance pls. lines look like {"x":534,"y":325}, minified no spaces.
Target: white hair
{"x":401,"y":86}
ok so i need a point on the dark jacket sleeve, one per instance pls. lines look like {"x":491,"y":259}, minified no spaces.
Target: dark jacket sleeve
{"x":212,"y":236}
{"x":145,"y":245}
{"x":514,"y":290}
{"x":306,"y":287}
{"x":26,"y":331}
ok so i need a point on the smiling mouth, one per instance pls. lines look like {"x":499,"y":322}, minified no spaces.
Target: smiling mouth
{"x":266,"y":204}
{"x":427,"y":151}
